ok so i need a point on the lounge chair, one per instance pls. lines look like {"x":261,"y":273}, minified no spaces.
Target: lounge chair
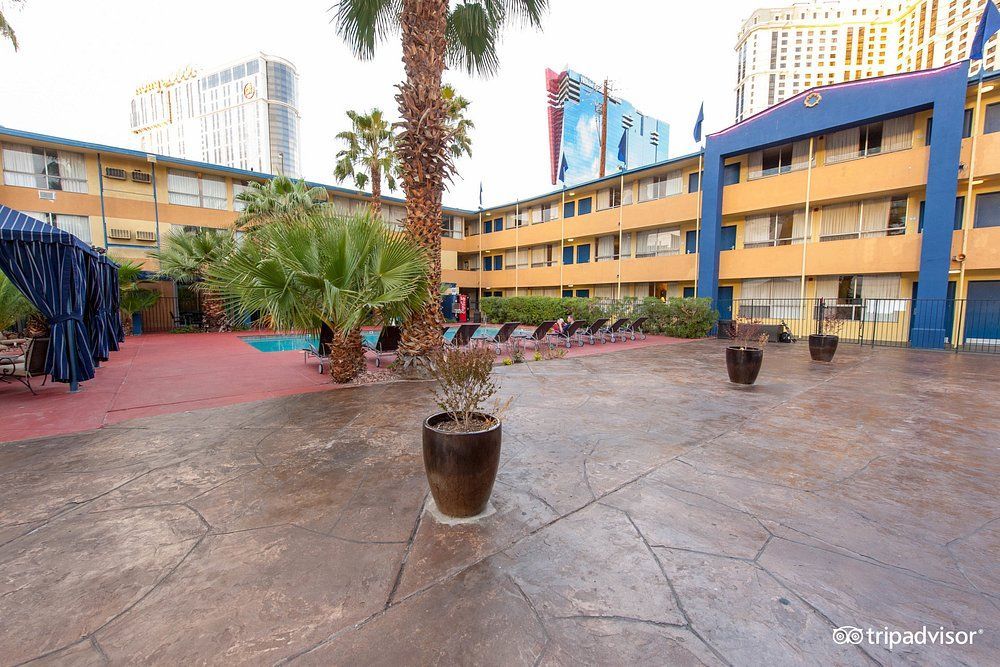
{"x":502,"y":335}
{"x":463,"y":335}
{"x":312,"y":352}
{"x":386,"y":343}
{"x":613,"y":330}
{"x":569,"y":333}
{"x":539,"y":335}
{"x":634,"y":329}
{"x":594,"y":331}
{"x":31,"y":365}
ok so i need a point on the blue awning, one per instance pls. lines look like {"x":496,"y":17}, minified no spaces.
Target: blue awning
{"x":69,"y":283}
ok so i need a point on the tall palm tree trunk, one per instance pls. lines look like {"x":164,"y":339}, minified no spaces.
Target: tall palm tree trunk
{"x":213,"y":312}
{"x":347,"y":357}
{"x":424,"y":164}
{"x":376,"y":203}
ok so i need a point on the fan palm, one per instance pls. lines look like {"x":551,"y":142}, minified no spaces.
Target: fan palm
{"x":459,"y":126}
{"x":185,"y":257}
{"x":324,"y":269}
{"x":434,"y":33}
{"x":134,"y":299}
{"x":14,"y":306}
{"x":279,"y":197}
{"x":6,"y":30}
{"x":369,"y":155}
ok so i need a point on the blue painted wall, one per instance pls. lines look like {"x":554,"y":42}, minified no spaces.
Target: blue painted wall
{"x":845,"y":105}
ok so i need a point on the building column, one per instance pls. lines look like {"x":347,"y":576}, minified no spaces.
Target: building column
{"x":929,"y":327}
{"x":711,"y":224}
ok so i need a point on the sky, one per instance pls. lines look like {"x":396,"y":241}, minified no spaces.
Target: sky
{"x":80,"y":62}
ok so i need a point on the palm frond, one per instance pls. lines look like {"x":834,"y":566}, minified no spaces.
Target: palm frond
{"x":365,"y":23}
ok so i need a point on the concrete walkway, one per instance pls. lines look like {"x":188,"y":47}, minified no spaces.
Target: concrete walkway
{"x":647,"y":512}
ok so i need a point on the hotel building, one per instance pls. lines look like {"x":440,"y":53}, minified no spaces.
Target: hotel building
{"x":852,"y":191}
{"x":782,"y":51}
{"x":243,"y":114}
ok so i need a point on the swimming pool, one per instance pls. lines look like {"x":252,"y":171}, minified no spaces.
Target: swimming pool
{"x":297,"y":342}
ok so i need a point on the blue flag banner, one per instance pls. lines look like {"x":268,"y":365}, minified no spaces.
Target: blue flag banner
{"x":563,"y":166}
{"x":698,"y":122}
{"x":623,"y":148}
{"x":480,"y":194}
{"x":989,"y":25}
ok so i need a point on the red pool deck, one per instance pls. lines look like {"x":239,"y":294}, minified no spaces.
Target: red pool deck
{"x":158,"y":374}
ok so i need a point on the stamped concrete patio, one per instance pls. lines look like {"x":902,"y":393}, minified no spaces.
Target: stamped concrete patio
{"x":646,"y":512}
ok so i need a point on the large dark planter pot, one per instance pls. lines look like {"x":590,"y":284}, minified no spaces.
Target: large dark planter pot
{"x":743,"y":364}
{"x":822,"y":347}
{"x":461,"y":467}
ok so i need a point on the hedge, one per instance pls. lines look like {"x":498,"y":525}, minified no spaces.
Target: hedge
{"x":681,"y":318}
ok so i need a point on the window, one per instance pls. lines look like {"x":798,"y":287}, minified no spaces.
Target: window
{"x":694,"y":181}
{"x":988,"y":210}
{"x":865,"y":219}
{"x":731,"y":174}
{"x":664,"y":185}
{"x":583,"y":206}
{"x":498,"y":262}
{"x":487,"y":263}
{"x":488,"y":226}
{"x":583,"y":253}
{"x":779,"y":160}
{"x":774,"y":229}
{"x":852,"y":295}
{"x":610,"y":247}
{"x":77,"y":225}
{"x":541,"y":255}
{"x":770,"y":298}
{"x":238,"y":187}
{"x":992,"y":118}
{"x":966,"y":126}
{"x":43,"y":168}
{"x":451,"y":226}
{"x":569,"y":209}
{"x":657,"y":242}
{"x":544,"y":213}
{"x":891,"y":135}
{"x":187,"y":188}
{"x":567,"y":254}
{"x":612,"y":198}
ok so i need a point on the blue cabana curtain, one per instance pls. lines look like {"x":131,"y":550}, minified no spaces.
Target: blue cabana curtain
{"x":50,"y":267}
{"x":101,"y":312}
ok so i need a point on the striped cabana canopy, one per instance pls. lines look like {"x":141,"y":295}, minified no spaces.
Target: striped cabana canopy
{"x":70,"y":284}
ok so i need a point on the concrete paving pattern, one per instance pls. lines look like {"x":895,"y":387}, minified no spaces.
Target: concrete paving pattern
{"x":647,"y":512}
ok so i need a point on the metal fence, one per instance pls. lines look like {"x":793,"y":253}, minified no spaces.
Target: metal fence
{"x":171,"y":313}
{"x":969,"y":325}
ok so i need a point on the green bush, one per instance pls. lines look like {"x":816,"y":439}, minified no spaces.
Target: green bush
{"x":538,"y":309}
{"x":679,"y":317}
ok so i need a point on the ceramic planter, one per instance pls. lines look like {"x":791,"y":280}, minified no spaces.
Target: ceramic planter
{"x":460,"y":467}
{"x":822,"y":347}
{"x":743,"y":364}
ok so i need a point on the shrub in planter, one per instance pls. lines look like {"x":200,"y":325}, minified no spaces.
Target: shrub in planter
{"x":680,"y":317}
{"x":461,"y":444}
{"x":745,"y":356}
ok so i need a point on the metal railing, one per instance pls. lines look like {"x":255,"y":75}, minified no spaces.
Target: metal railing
{"x":968,"y":325}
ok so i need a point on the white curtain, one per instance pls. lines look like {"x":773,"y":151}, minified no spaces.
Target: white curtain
{"x":842,"y":145}
{"x":785,"y":302}
{"x":897,"y":133}
{"x":182,"y":188}
{"x":603,"y":199}
{"x":800,"y":154}
{"x":509,"y":259}
{"x":839,"y":220}
{"x":522,"y":258}
{"x":605,"y":248}
{"x":605,"y":291}
{"x":78,"y":225}
{"x":647,"y":189}
{"x":757,"y":229}
{"x":828,"y":287}
{"x":874,"y":217}
{"x":673,"y":184}
{"x":627,"y":194}
{"x":213,"y":192}
{"x":539,"y":255}
{"x":551,"y":213}
{"x":18,"y":167}
{"x":535,"y":214}
{"x":880,"y":286}
{"x":73,"y":171}
{"x":756,"y":165}
{"x":799,"y":226}
{"x":626,"y":249}
{"x":645,"y":243}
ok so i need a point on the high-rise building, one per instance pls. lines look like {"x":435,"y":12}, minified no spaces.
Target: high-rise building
{"x":782,"y":51}
{"x":243,"y":115}
{"x":575,"y":108}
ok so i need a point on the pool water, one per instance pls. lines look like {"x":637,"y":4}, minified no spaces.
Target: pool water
{"x":297,"y":342}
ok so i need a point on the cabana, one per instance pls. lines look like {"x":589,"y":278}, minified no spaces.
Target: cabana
{"x":72,"y":285}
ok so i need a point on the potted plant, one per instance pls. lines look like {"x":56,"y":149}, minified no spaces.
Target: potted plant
{"x":133,"y":298}
{"x":461,"y":443}
{"x":823,"y":343}
{"x":744,"y":357}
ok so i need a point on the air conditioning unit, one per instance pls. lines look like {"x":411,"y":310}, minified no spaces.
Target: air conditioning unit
{"x":141,"y":235}
{"x":47,"y":195}
{"x":141,"y":177}
{"x":123,"y":234}
{"x":115,"y":173}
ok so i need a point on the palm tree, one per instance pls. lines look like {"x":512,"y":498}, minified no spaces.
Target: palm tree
{"x":276,"y":198}
{"x":134,"y":299}
{"x":14,"y":306}
{"x":6,"y":30}
{"x":458,"y":125}
{"x":185,"y":258}
{"x":330,"y":270}
{"x":434,"y":33}
{"x":370,"y":155}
